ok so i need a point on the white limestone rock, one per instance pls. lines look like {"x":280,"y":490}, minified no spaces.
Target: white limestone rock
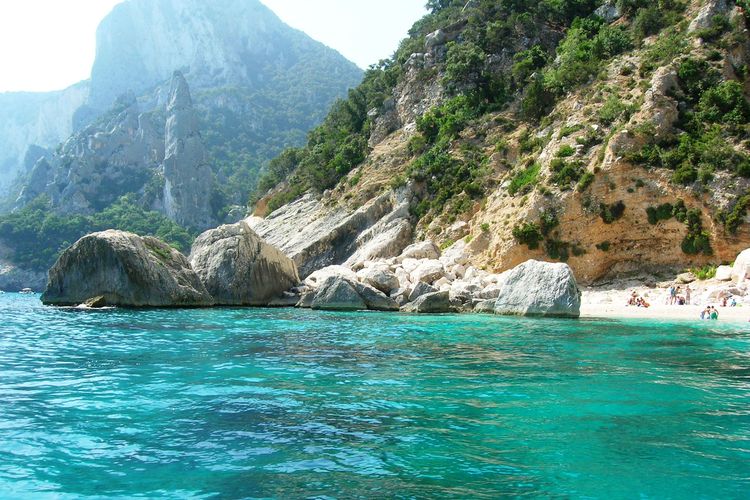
{"x":421,"y":250}
{"x":436,"y":302}
{"x":539,"y":289}
{"x":318,"y":277}
{"x":238,"y":268}
{"x":428,"y":271}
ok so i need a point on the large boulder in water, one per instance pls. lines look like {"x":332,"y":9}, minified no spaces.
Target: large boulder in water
{"x":238,"y":268}
{"x":539,"y":289}
{"x":125,"y":270}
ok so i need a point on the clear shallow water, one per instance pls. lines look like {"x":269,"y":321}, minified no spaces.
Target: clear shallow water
{"x":233,"y":403}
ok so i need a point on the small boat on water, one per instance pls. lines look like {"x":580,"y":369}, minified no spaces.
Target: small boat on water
{"x":27,"y":291}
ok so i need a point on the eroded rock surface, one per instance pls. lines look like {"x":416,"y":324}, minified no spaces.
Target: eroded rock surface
{"x":188,"y":179}
{"x":239,"y":268}
{"x":436,"y":302}
{"x":125,"y":270}
{"x":539,"y":289}
{"x":316,"y":236}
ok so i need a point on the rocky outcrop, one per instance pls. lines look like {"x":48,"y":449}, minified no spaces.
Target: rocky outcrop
{"x":188,"y":179}
{"x":338,"y":294}
{"x":428,"y":271}
{"x":431,"y":303}
{"x":316,"y":235}
{"x":126,"y":270}
{"x":539,"y":289}
{"x":99,"y":164}
{"x":741,"y":266}
{"x":341,"y":294}
{"x":380,"y":277}
{"x":27,"y":119}
{"x":13,"y":279}
{"x":321,"y":275}
{"x":723,"y":273}
{"x":239,"y":269}
{"x":706,"y":14}
{"x":420,"y":289}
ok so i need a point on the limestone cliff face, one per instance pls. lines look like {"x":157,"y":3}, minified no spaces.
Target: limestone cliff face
{"x":29,"y":119}
{"x":222,"y":43}
{"x":188,"y":179}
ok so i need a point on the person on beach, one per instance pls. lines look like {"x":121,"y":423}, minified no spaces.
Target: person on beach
{"x":688,"y":291}
{"x":672,"y":295}
{"x":706,"y":313}
{"x":714,"y":313}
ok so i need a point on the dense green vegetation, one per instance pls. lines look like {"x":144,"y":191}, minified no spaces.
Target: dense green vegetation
{"x":717,"y":113}
{"x":37,"y":235}
{"x":340,"y":143}
{"x":529,"y":234}
{"x":704,"y":273}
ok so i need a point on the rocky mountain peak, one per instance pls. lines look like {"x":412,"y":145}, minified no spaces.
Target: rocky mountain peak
{"x":179,"y":93}
{"x":188,"y":178}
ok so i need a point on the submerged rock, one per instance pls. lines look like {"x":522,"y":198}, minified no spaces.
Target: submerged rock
{"x":539,"y":289}
{"x":124,"y":269}
{"x":239,"y":268}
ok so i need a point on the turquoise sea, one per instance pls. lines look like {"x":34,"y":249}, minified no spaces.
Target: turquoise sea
{"x":244,"y":403}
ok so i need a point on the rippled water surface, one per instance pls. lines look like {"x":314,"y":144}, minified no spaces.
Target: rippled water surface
{"x":233,"y":403}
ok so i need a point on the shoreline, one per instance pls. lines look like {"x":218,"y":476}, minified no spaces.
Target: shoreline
{"x":589,"y":310}
{"x":611,"y":303}
{"x":737,"y":314}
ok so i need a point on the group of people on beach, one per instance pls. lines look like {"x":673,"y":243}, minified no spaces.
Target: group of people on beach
{"x":637,"y":301}
{"x":676,"y":296}
{"x":728,"y":301}
{"x":710,"y":312}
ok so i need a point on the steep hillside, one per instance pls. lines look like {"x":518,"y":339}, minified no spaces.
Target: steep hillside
{"x":612,"y":136}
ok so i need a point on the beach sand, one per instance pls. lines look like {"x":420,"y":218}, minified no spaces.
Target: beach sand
{"x":612,"y":303}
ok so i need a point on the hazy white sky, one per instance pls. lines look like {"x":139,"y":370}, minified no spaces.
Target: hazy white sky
{"x":50,"y":44}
